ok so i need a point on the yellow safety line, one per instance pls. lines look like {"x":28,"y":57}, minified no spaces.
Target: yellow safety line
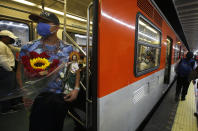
{"x":185,"y":119}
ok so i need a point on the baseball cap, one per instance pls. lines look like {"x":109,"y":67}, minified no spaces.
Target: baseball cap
{"x":45,"y":17}
{"x":9,"y":34}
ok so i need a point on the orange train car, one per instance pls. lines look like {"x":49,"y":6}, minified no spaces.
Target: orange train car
{"x":134,"y":51}
{"x":137,"y":51}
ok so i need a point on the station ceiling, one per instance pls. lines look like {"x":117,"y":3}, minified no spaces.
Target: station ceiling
{"x":183,"y":17}
{"x":187,"y":11}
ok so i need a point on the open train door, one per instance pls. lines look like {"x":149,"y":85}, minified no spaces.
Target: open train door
{"x":169,"y":43}
{"x":86,"y":115}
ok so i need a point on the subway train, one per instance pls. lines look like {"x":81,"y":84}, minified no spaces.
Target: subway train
{"x":131,"y":55}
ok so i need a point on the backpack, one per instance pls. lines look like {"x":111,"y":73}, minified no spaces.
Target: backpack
{"x":185,"y":67}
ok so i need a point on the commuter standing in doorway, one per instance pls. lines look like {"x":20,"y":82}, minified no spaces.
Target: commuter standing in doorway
{"x":183,"y":71}
{"x":50,"y":107}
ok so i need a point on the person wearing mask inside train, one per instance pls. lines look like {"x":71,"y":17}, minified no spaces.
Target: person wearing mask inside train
{"x":49,"y":108}
{"x":7,"y":64}
{"x":183,"y":70}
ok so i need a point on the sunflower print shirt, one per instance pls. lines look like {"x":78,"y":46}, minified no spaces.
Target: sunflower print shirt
{"x":62,"y":54}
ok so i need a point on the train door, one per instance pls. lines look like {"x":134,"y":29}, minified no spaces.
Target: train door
{"x":84,"y":112}
{"x":169,"y":42}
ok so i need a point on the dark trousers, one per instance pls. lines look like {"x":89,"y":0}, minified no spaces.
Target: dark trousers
{"x":48,"y":112}
{"x":7,"y":84}
{"x":182,"y":84}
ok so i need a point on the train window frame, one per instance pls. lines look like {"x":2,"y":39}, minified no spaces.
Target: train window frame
{"x":138,"y":43}
{"x":23,"y":21}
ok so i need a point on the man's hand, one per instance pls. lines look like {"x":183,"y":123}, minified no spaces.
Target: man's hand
{"x":71,"y":96}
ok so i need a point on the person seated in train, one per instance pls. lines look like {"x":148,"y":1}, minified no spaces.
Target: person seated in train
{"x":183,"y":70}
{"x":49,"y":109}
{"x":7,"y":64}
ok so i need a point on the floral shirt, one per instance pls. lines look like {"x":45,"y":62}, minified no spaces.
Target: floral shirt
{"x":62,"y":54}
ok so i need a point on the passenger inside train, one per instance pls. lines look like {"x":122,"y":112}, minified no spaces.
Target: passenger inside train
{"x":55,"y":49}
{"x":98,"y":65}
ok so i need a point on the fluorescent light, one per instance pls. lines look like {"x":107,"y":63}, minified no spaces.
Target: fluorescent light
{"x":25,"y":2}
{"x":148,"y":36}
{"x":142,"y":23}
{"x":51,"y":10}
{"x":77,"y":18}
{"x":148,"y":27}
{"x":61,"y":13}
{"x":82,"y":36}
{"x":151,"y":29}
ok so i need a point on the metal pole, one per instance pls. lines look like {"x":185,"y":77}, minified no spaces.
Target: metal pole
{"x":43,"y":5}
{"x":87,"y":64}
{"x":74,"y":43}
{"x":65,"y":10}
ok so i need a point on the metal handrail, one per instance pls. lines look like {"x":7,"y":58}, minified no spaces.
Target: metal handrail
{"x":76,"y":119}
{"x":65,"y":11}
{"x":87,"y":63}
{"x":74,"y":43}
{"x":83,"y":86}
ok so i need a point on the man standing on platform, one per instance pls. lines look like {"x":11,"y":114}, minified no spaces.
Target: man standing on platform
{"x":183,"y":69}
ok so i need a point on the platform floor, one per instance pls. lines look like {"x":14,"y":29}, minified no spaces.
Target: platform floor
{"x":174,"y":116}
{"x":185,"y":119}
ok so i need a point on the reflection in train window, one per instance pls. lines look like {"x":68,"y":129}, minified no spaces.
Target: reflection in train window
{"x":147,"y":57}
{"x":21,"y":30}
{"x":148,"y":47}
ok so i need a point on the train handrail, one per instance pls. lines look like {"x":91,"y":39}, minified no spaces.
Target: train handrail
{"x":87,"y":63}
{"x":74,"y":43}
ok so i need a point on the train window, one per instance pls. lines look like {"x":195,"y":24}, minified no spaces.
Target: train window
{"x":148,"y":47}
{"x":21,"y":30}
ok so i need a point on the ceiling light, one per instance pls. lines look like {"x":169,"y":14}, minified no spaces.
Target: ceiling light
{"x":152,"y":38}
{"x":82,"y":36}
{"x":51,"y":10}
{"x":25,"y":2}
{"x":148,"y":27}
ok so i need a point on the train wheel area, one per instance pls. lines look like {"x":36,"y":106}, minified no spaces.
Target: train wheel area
{"x":171,"y":115}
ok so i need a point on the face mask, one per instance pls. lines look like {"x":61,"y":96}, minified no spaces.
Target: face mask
{"x":43,"y":29}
